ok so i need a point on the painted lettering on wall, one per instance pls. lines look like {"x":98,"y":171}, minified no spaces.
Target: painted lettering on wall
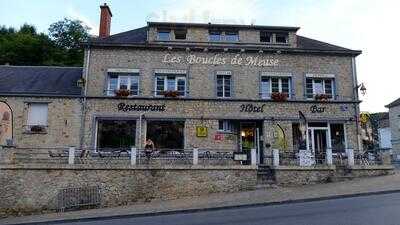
{"x":250,"y":108}
{"x":147,"y":107}
{"x":219,"y":59}
{"x":317,"y":109}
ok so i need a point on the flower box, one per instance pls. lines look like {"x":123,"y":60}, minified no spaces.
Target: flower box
{"x":171,"y":94}
{"x":279,"y":97}
{"x":122,"y":93}
{"x":321,"y":97}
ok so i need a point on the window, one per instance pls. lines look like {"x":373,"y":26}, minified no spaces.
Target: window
{"x":180,"y":34}
{"x":337,"y":138}
{"x":226,"y":126}
{"x":166,"y":134}
{"x":281,"y":37}
{"x":164,"y":35}
{"x":37,"y":117}
{"x":170,"y":82}
{"x":215,"y":35}
{"x":271,"y":85}
{"x":318,"y":86}
{"x":123,"y":81}
{"x":265,"y":36}
{"x":224,"y":86}
{"x":116,"y":133}
{"x":231,"y":36}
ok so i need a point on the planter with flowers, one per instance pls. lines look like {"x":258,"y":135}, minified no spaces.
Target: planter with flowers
{"x":279,"y":97}
{"x":122,"y":93}
{"x":321,"y":97}
{"x":171,"y":94}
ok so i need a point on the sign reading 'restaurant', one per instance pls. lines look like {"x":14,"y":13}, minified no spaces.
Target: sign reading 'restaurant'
{"x":135,"y":107}
{"x":220,"y":59}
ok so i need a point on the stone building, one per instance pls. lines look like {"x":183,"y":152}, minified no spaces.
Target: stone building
{"x":394,"y":120}
{"x":186,"y":85}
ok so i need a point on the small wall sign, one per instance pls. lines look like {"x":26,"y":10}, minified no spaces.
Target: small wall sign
{"x":317,"y":109}
{"x":239,"y":156}
{"x":218,"y":137}
{"x":201,"y":131}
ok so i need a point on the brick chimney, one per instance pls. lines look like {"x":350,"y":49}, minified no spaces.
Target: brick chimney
{"x":105,"y":21}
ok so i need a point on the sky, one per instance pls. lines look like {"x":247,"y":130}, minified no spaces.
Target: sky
{"x":368,"y":25}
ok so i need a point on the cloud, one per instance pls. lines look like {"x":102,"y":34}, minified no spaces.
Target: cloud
{"x":75,"y":14}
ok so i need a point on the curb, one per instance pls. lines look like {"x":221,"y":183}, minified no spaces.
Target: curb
{"x":195,"y":210}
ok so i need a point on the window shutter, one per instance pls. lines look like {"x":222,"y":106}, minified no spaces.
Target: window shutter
{"x":37,"y":114}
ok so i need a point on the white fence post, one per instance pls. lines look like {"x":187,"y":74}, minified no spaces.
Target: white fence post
{"x":195,"y":156}
{"x":275,"y":157}
{"x":350,"y":157}
{"x":329,"y":159}
{"x":133,"y":156}
{"x":71,"y":155}
{"x":253,"y":157}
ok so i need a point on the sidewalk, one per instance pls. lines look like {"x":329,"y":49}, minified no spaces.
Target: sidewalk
{"x":268,"y":195}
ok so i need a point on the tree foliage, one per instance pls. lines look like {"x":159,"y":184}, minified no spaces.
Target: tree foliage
{"x":27,"y":47}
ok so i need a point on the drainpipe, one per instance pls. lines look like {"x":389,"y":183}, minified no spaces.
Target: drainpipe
{"x":83,"y":107}
{"x":355,"y":98}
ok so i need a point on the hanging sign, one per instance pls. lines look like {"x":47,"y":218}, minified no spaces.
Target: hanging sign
{"x":201,"y":131}
{"x":218,"y":137}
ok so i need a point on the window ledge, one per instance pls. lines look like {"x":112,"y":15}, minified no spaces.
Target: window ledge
{"x":33,"y":132}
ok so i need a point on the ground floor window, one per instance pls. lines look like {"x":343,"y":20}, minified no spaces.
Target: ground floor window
{"x":337,"y":138}
{"x":116,"y":133}
{"x":166,"y":134}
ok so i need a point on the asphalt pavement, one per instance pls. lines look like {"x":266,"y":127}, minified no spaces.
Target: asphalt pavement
{"x":382,"y":209}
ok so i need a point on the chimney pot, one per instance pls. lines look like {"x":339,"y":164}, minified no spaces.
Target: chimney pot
{"x":105,"y":21}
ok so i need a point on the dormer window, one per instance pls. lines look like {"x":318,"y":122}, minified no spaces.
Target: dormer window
{"x":265,"y":37}
{"x":180,"y":34}
{"x":164,"y":35}
{"x":281,"y":38}
{"x":228,"y":36}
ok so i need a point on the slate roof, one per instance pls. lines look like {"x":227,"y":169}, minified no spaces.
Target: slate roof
{"x":40,"y":80}
{"x":394,"y":103}
{"x":138,"y":38}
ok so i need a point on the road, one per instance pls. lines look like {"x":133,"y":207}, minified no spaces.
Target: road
{"x":373,"y":209}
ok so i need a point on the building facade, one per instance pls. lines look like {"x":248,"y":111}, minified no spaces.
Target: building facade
{"x":209,"y":86}
{"x":394,"y":121}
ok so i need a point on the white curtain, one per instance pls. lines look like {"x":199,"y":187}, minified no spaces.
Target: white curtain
{"x":37,"y":114}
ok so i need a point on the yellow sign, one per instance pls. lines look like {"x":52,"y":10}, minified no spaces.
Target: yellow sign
{"x":364,"y":117}
{"x":201,"y":131}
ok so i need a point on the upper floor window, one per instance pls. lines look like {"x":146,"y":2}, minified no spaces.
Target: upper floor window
{"x":281,"y":38}
{"x":271,"y":85}
{"x":127,"y":82}
{"x":265,"y":36}
{"x":180,"y":34}
{"x":37,"y":117}
{"x":174,"y":84}
{"x":224,"y":86}
{"x":217,"y":35}
{"x":226,"y":126}
{"x":164,"y":35}
{"x":319,"y":86}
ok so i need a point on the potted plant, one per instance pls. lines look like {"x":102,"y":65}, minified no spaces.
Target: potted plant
{"x":321,"y":97}
{"x":171,"y":94}
{"x":279,"y":97}
{"x":122,"y":93}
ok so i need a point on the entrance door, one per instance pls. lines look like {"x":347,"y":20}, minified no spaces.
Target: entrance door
{"x":318,"y":141}
{"x":247,"y":136}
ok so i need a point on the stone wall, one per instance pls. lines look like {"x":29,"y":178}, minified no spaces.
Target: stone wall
{"x":394,"y":118}
{"x":32,"y":189}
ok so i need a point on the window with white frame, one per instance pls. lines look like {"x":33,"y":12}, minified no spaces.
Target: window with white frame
{"x":37,"y":117}
{"x":118,"y":81}
{"x":170,"y":83}
{"x":224,"y":86}
{"x":226,"y":126}
{"x":319,"y":86}
{"x":164,"y":35}
{"x":271,"y":85}
{"x":218,"y":35}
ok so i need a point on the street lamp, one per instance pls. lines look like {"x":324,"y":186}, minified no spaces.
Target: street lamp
{"x":362,"y":88}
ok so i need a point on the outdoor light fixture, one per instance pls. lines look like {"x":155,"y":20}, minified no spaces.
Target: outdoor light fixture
{"x":362,"y":87}
{"x":243,"y":134}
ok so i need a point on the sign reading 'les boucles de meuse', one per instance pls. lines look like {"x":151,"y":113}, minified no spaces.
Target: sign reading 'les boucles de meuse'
{"x":219,"y":59}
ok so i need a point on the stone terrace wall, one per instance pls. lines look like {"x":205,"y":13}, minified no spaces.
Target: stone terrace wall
{"x":33,"y":189}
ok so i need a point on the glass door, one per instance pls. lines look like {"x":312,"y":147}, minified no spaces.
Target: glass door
{"x":247,"y":136}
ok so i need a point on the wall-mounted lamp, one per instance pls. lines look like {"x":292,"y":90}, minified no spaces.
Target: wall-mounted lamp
{"x":362,"y":88}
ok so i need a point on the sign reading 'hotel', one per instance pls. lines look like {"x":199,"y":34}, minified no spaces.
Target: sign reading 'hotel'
{"x":219,"y":59}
